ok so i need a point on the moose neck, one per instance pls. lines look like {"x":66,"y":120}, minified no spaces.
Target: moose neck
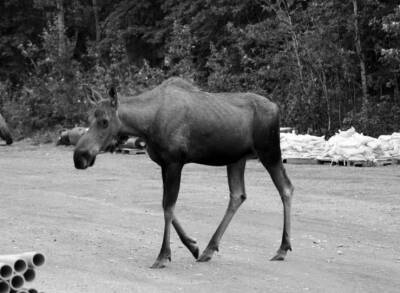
{"x":137,"y":114}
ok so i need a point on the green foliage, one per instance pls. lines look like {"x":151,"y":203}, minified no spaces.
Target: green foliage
{"x":301,"y":54}
{"x":129,"y":78}
{"x":376,"y":118}
{"x":20,"y":21}
{"x":179,"y":54}
{"x":50,"y":96}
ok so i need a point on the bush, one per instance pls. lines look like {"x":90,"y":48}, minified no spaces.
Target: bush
{"x":376,"y":118}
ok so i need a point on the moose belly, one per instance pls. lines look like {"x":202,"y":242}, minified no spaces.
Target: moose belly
{"x":218,"y":148}
{"x":219,"y":158}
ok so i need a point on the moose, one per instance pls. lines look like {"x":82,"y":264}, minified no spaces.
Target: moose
{"x":182,"y":124}
{"x":5,"y":133}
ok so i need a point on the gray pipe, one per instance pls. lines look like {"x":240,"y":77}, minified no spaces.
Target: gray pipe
{"x":18,"y":264}
{"x":29,"y":275}
{"x":4,"y":286}
{"x":5,"y":271}
{"x":16,"y":282}
{"x":33,"y":259}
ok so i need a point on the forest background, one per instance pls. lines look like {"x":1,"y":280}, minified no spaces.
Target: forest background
{"x":329,"y":64}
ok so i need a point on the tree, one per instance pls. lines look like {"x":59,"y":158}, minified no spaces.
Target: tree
{"x":96,"y":20}
{"x":61,"y":28}
{"x":328,"y":64}
{"x":21,"y":22}
{"x":360,"y":55}
{"x":390,"y":56}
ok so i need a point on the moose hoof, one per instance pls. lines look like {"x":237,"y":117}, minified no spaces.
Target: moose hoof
{"x":191,"y":244}
{"x":279,"y":256}
{"x":206,"y":255}
{"x":195,"y":251}
{"x":160,"y":263}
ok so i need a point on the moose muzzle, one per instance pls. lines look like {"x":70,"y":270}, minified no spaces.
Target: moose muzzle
{"x":83,"y":159}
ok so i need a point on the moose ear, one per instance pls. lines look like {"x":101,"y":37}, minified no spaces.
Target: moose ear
{"x":113,"y":97}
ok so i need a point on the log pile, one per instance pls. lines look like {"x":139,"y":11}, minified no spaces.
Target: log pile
{"x":122,"y":144}
{"x":71,"y":136}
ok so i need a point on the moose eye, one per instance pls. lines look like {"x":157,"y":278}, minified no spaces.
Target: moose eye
{"x":103,"y":123}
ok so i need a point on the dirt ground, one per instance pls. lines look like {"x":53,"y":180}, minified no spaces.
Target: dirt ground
{"x":101,"y":228}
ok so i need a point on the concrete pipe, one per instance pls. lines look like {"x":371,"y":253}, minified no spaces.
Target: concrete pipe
{"x":16,"y":282}
{"x":5,"y":271}
{"x":18,"y":264}
{"x":4,"y":286}
{"x":33,"y":259}
{"x":29,"y":275}
{"x":32,"y":290}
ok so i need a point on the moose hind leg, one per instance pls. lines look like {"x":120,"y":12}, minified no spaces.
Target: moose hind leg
{"x":189,"y":242}
{"x":237,"y":197}
{"x":285,"y":188}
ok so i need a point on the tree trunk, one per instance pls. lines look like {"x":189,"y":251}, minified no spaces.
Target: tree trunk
{"x":396,"y":89}
{"x":296,"y":52}
{"x":360,"y":56}
{"x":61,"y":28}
{"x":96,"y":20}
{"x":296,"y":48}
{"x":327,"y":99}
{"x":281,"y":6}
{"x":339,"y":99}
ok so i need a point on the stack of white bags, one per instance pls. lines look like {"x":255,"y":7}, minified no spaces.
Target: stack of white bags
{"x":391,"y":144}
{"x":350,"y":145}
{"x":346,"y":145}
{"x":302,"y":146}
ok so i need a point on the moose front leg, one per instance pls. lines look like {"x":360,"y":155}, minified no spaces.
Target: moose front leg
{"x":171,"y":182}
